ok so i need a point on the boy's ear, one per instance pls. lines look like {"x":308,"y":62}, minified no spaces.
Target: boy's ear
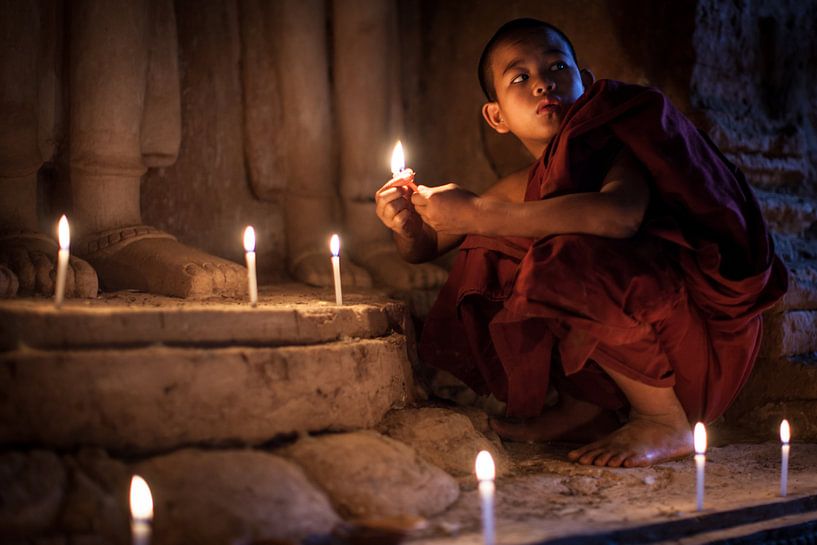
{"x":587,"y":78}
{"x":492,"y":114}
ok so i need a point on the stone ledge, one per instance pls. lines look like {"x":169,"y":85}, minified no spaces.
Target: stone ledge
{"x":790,"y":333}
{"x":156,"y":398}
{"x":802,"y":292}
{"x":787,"y":213}
{"x":292,"y":314}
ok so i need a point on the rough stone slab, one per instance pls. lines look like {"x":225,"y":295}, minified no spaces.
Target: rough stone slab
{"x":443,"y":437}
{"x":32,"y":487}
{"x":233,"y":496}
{"x":778,"y":382}
{"x":367,"y":474}
{"x":790,"y":333}
{"x":787,"y":213}
{"x":159,"y":397}
{"x":802,"y":293}
{"x":286,"y":315}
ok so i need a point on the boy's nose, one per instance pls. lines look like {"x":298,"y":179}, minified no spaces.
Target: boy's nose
{"x":544,"y":86}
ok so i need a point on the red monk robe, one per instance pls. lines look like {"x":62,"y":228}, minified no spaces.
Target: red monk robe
{"x":679,"y":304}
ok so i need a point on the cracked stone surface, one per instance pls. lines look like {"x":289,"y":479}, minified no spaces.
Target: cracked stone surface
{"x":160,"y":397}
{"x":443,"y":437}
{"x":367,"y":474}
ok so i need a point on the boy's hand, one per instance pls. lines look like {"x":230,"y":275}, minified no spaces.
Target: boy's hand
{"x":393,"y":207}
{"x":447,"y":209}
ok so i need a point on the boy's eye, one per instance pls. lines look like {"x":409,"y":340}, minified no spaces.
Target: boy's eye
{"x":556,"y":66}
{"x":520,"y":78}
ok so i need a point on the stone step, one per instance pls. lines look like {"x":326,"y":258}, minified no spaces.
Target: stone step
{"x":153,"y":398}
{"x":779,"y":387}
{"x":286,"y":315}
{"x":787,"y":213}
{"x":802,"y":294}
{"x":790,"y":333}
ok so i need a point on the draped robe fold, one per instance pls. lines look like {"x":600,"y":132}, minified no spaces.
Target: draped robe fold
{"x":677,"y":305}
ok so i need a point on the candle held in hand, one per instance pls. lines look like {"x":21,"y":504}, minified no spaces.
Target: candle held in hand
{"x":785,"y":437}
{"x":64,"y":236}
{"x":141,"y":509}
{"x":249,"y":248}
{"x":486,"y":472}
{"x":700,"y":462}
{"x":334,"y":247}
{"x":401,"y":176}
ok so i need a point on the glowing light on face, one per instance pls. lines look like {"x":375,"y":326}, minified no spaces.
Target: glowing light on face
{"x":334,"y":245}
{"x":64,"y":233}
{"x":485,"y":466}
{"x":249,"y":239}
{"x":700,"y":438}
{"x":785,"y":432}
{"x":141,"y":502}
{"x":398,"y":159}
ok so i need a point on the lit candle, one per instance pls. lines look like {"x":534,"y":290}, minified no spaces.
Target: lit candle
{"x":64,"y":236}
{"x":334,"y":246}
{"x":785,"y":437}
{"x":249,"y":248}
{"x":400,"y":174}
{"x":485,"y":475}
{"x":700,"y":462}
{"x":141,"y":510}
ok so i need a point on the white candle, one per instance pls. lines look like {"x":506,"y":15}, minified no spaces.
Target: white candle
{"x":334,"y":246}
{"x":700,"y":462}
{"x":400,"y":174}
{"x":64,"y":236}
{"x":249,"y":248}
{"x":141,"y":509}
{"x":785,"y":437}
{"x":485,"y":475}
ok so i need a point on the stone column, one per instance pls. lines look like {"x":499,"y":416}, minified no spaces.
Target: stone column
{"x":367,"y":102}
{"x":108,"y":69}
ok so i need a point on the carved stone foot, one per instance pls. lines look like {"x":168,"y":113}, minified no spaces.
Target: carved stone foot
{"x":30,"y":258}
{"x":147,"y":259}
{"x":388,"y":268}
{"x":315,"y":268}
{"x":8,"y":282}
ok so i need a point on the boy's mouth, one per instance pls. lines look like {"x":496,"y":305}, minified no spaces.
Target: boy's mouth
{"x":548,"y":105}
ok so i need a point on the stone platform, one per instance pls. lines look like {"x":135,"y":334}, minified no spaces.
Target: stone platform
{"x":138,"y":373}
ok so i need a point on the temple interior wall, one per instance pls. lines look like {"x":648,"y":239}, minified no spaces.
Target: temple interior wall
{"x":742,"y":70}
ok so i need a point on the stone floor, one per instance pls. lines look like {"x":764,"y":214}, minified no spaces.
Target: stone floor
{"x":546,"y":498}
{"x":299,"y":418}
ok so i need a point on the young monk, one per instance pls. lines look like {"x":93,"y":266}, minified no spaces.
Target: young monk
{"x":627,"y":267}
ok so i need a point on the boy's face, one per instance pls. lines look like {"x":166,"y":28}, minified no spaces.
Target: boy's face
{"x":536,"y":80}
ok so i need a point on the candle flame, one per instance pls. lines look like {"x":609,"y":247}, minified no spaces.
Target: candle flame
{"x":141,"y":502}
{"x":700,"y":438}
{"x":249,"y":239}
{"x":485,"y":466}
{"x":398,"y":160}
{"x":64,"y":233}
{"x":334,"y":245}
{"x":785,"y":431}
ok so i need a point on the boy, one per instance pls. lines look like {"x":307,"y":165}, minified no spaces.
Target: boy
{"x":627,"y":267}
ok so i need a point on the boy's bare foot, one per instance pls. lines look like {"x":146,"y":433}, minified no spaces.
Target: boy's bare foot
{"x":570,"y":420}
{"x":144,"y":258}
{"x":315,"y":268}
{"x":389,"y":269}
{"x":29,"y":260}
{"x":645,"y":440}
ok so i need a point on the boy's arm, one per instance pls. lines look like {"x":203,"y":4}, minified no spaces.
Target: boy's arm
{"x":615,"y":211}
